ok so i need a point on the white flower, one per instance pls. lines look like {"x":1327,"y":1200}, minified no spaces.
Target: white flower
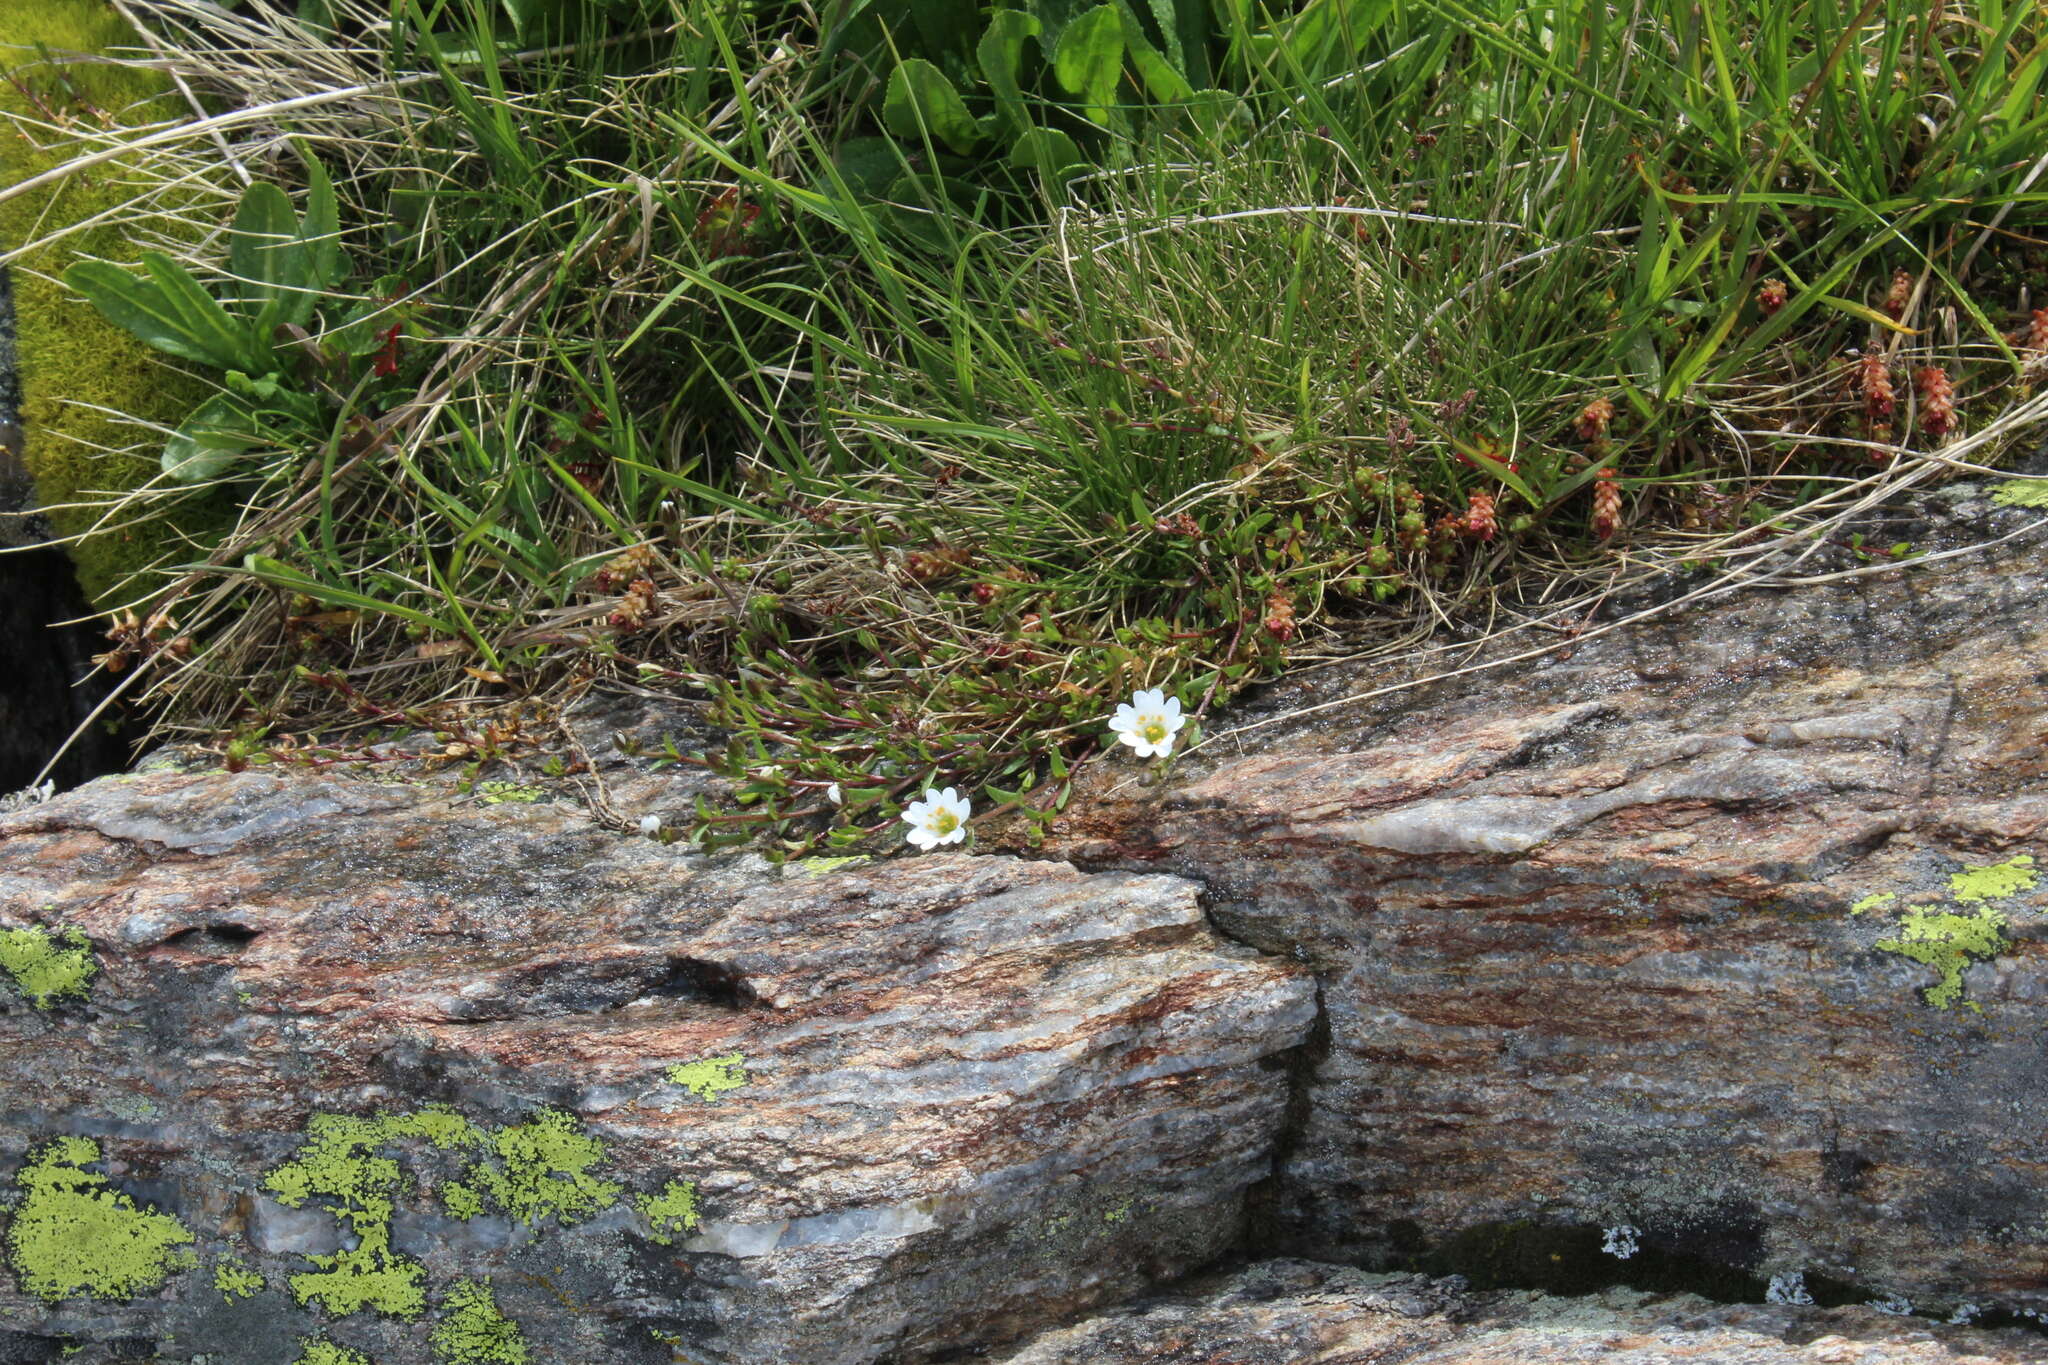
{"x":834,"y":795}
{"x":941,"y":818}
{"x":1148,"y":722}
{"x":650,"y":824}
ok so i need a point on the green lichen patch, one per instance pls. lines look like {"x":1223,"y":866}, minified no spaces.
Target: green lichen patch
{"x":1947,"y":942}
{"x":545,"y":1170}
{"x":74,"y":1234}
{"x":1975,"y":885}
{"x":507,"y":793}
{"x":1876,"y":901}
{"x":711,"y":1077}
{"x":672,"y":1213}
{"x":473,"y":1332}
{"x":47,"y":967}
{"x":340,"y":1167}
{"x":321,"y":1351}
{"x":235,"y":1280}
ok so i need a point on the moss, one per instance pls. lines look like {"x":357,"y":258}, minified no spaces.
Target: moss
{"x":711,"y":1077}
{"x":672,"y":1213}
{"x":473,"y":1332}
{"x":43,"y":971}
{"x":546,"y":1170}
{"x":1975,"y":885}
{"x":321,"y":1351}
{"x":234,"y":1280}
{"x":74,"y":1234}
{"x":1947,"y":942}
{"x":73,"y":362}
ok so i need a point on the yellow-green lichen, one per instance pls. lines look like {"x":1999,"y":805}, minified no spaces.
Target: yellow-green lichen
{"x":507,"y":793}
{"x":818,"y":867}
{"x":77,"y":369}
{"x":672,"y":1213}
{"x":533,"y":1171}
{"x":340,"y":1167}
{"x":711,"y":1077}
{"x":1975,"y":885}
{"x":1947,"y":942}
{"x":321,"y":1351}
{"x":234,"y":1280}
{"x":1876,"y":901}
{"x":545,"y":1170}
{"x":473,"y":1332}
{"x":74,"y":1234}
{"x":47,"y":967}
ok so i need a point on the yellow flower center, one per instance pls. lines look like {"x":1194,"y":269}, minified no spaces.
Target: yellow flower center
{"x":1153,"y":731}
{"x":943,"y":822}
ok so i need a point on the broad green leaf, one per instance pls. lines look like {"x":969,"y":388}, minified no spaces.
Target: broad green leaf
{"x":268,"y":259}
{"x":139,"y":306}
{"x":1090,"y":60}
{"x":1050,"y":152}
{"x":203,"y":319}
{"x":921,"y":99}
{"x":945,"y":26}
{"x":1162,"y":82}
{"x":1001,"y":52}
{"x":212,"y":439}
{"x":868,"y":165}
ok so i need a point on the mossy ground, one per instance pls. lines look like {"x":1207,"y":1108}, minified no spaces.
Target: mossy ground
{"x":75,"y":365}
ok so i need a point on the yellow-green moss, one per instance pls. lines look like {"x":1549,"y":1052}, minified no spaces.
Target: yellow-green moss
{"x":321,"y":1351}
{"x":74,"y":1234}
{"x":235,"y":1280}
{"x":711,"y":1077}
{"x":72,"y":360}
{"x":47,"y":967}
{"x":473,"y":1332}
{"x":672,"y":1213}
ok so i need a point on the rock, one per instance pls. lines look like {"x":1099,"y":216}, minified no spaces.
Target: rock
{"x":293,"y":1044}
{"x":1301,"y":1313}
{"x":1728,"y":926}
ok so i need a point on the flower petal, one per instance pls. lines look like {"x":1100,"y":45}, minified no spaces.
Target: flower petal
{"x":1172,"y":708}
{"x":1149,"y":700}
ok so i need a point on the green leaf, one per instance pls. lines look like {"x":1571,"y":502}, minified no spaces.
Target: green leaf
{"x":1090,"y":60}
{"x":203,"y":319}
{"x":143,"y":307}
{"x":1050,"y":152}
{"x":1165,"y":84}
{"x":214,"y":437}
{"x":280,"y":575}
{"x":269,"y":260}
{"x":1001,"y":52}
{"x":321,"y":230}
{"x":921,"y":98}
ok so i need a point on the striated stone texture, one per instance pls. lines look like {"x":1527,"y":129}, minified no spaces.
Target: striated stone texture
{"x":1663,"y":929}
{"x":1301,"y":1313}
{"x":923,"y":1105}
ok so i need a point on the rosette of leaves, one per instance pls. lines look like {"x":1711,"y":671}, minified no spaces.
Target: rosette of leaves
{"x":283,"y":266}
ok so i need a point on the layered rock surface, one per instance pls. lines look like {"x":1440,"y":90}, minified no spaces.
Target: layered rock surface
{"x":657,"y":1109}
{"x":1302,"y":1313}
{"x":1676,"y":928}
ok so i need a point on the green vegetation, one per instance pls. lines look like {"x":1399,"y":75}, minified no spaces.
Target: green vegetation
{"x":473,"y":1332}
{"x":672,"y":1213}
{"x":47,"y":967}
{"x":911,"y":384}
{"x":236,"y":1281}
{"x":73,"y":1234}
{"x":710,"y":1077}
{"x":86,"y":382}
{"x":1949,"y":940}
{"x":320,"y":1351}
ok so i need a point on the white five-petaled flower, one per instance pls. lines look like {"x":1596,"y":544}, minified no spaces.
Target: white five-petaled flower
{"x":650,"y":824}
{"x":1148,"y":722}
{"x":941,"y":818}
